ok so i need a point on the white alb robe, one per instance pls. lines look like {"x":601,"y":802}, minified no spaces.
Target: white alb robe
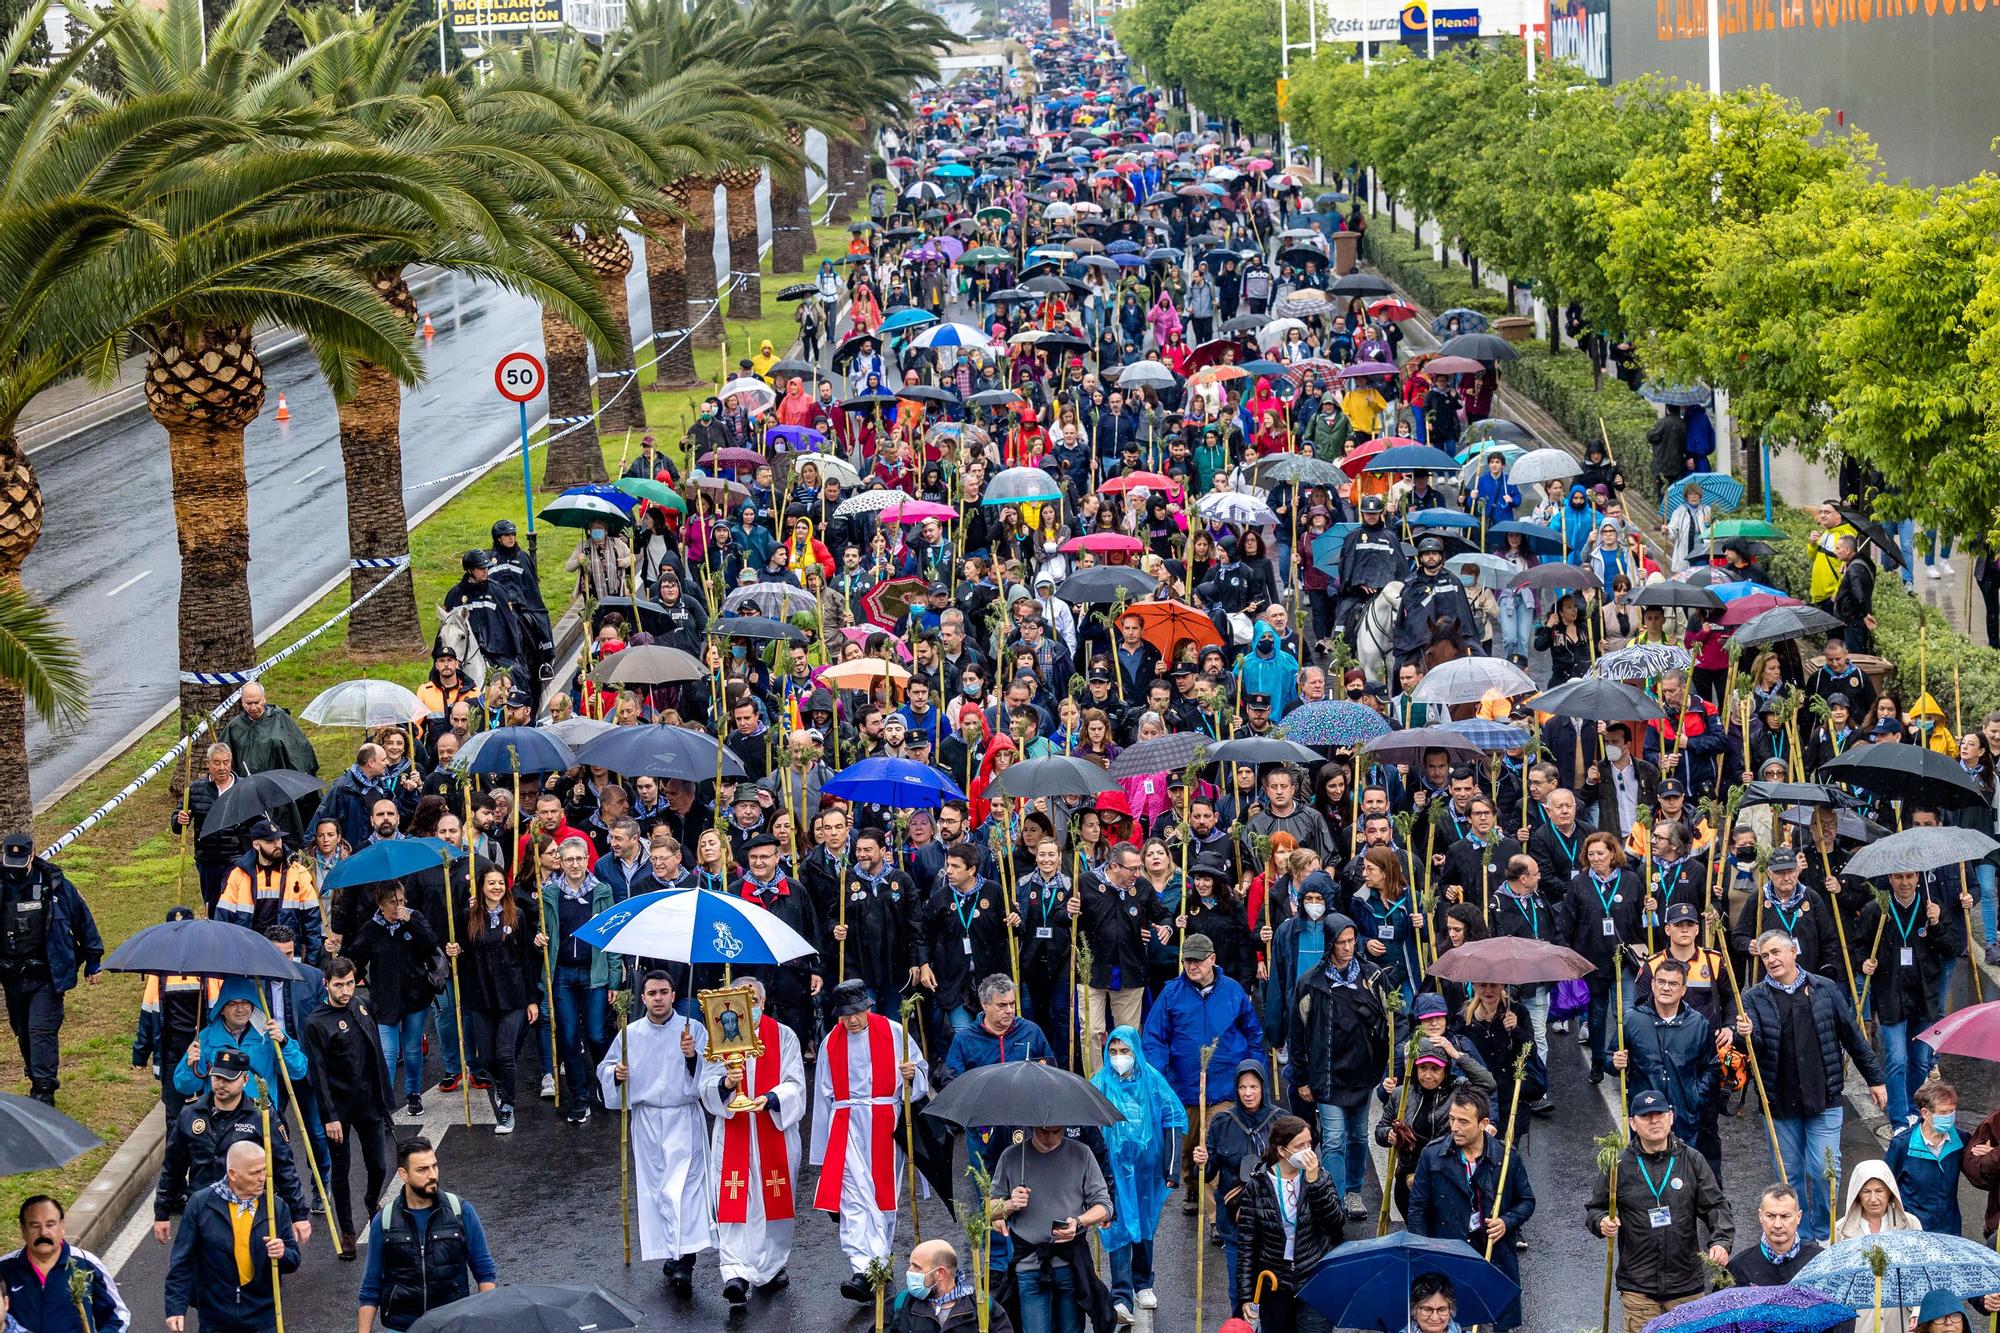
{"x":866,"y":1232}
{"x":758,"y":1248}
{"x":668,"y":1166}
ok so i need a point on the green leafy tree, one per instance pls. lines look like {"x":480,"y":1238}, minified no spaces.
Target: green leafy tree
{"x":1225,"y":52}
{"x":1143,"y":30}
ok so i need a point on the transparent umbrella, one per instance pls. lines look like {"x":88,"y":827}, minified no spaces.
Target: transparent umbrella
{"x":363,"y":703}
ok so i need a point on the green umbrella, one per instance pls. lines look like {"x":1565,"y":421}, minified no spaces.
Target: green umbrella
{"x":657,"y":491}
{"x":995,"y":214}
{"x":987,"y":254}
{"x":1755,"y":529}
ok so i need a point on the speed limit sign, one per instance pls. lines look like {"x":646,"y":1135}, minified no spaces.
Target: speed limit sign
{"x":520,"y":377}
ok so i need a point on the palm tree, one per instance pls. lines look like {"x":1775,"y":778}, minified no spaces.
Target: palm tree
{"x":254,"y":233}
{"x":369,"y":77}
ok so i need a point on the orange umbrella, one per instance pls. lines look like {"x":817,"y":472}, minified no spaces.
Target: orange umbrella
{"x":1167,"y":623}
{"x":1217,"y":375}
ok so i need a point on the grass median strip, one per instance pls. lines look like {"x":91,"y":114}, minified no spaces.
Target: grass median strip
{"x":129,"y":867}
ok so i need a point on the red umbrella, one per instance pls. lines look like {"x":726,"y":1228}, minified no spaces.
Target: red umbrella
{"x":1744,"y":609}
{"x":1972,"y":1031}
{"x":902,"y":163}
{"x":1359,"y":456}
{"x":886,"y":602}
{"x":1211,"y":352}
{"x":1167,"y":623}
{"x":1510,"y":962}
{"x":1391,"y":308}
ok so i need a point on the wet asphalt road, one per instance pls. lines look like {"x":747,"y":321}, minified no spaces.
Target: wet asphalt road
{"x":108,"y":561}
{"x":548,"y":1198}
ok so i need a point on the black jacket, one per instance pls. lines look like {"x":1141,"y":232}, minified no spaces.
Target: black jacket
{"x":1119,"y":928}
{"x":941,"y":935}
{"x":1602,"y":795}
{"x":1662,"y":1262}
{"x":1260,"y":1232}
{"x":1811,"y":924}
{"x":1909,"y":994}
{"x":499,"y":971}
{"x":202,"y":1271}
{"x":393,"y":960}
{"x":1582,"y":915}
{"x":1446,"y":1204}
{"x":1834,"y":1020}
{"x":1339,"y":1035}
{"x":344,"y":1062}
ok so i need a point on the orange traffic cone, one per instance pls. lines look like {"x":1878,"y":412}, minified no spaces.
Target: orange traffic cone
{"x":429,"y":331}
{"x":284,"y":413}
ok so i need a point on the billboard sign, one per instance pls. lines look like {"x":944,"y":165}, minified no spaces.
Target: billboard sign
{"x":472,"y":17}
{"x":1420,"y":24}
{"x":1580,"y":32}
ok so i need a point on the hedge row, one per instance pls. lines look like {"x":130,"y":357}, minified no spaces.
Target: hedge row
{"x":1566,"y":388}
{"x":1923,"y":658}
{"x":1406,"y":262}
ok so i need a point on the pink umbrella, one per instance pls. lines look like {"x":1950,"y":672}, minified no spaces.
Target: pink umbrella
{"x":1104,"y":543}
{"x":862,"y":633}
{"x":1453,"y":365}
{"x":1972,"y":1031}
{"x":916,"y":511}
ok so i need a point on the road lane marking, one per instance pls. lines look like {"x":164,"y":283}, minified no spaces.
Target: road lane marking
{"x":128,"y":583}
{"x":310,"y":475}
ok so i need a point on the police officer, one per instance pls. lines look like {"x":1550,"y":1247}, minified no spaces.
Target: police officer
{"x":46,"y":935}
{"x":425,"y":1249}
{"x":198,"y":1146}
{"x":520,"y":584}
{"x":1430,"y":595}
{"x":496,"y":627}
{"x":1371,"y":558}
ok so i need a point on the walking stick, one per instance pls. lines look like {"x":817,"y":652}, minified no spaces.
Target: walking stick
{"x":187,"y":827}
{"x":1964,"y":890}
{"x":1610,"y":1147}
{"x":271,"y":1190}
{"x":1839,"y":927}
{"x":548,"y":922}
{"x":305,"y":1134}
{"x":1618,"y":998}
{"x":1832,"y":1174}
{"x":1507,"y":1157}
{"x":1393,"y":1002}
{"x":622,"y":1002}
{"x":1757,"y":1077}
{"x":1075,"y":1022}
{"x":1875,"y":949}
{"x":909,"y":1122}
{"x":1201,"y":1180}
{"x":451,"y":954}
{"x":1642,"y":820}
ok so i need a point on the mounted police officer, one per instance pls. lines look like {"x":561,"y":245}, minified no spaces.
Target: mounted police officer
{"x":495,"y":624}
{"x":514,"y":575}
{"x":1371,"y":558}
{"x":1430,"y":595}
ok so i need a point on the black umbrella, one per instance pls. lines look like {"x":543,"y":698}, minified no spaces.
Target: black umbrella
{"x":928,"y":393}
{"x":798,"y":291}
{"x":534,"y":1308}
{"x":1046,"y":285}
{"x":258,"y":794}
{"x":1545,"y":578}
{"x":1101,"y":584}
{"x":1480,"y":347}
{"x":1794,"y":793}
{"x":1362,"y":284}
{"x":754,"y":627}
{"x":659,"y":752}
{"x":1907,"y":773}
{"x":1162,"y":754}
{"x":794,"y":366}
{"x":1684,"y":595}
{"x":1052,"y":775}
{"x":994,"y":398}
{"x":202,"y":948}
{"x":1595,"y":700}
{"x":1063,"y":342}
{"x":1410,"y":746}
{"x":1781,"y":623}
{"x":1301,"y":254}
{"x":1244,"y":324}
{"x":1262,"y":750}
{"x":1848,"y":824}
{"x":1873,"y":533}
{"x":1022,"y":1092}
{"x":34,"y":1136}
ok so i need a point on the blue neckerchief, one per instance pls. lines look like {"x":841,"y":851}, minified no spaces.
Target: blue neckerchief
{"x":1786,"y":1257}
{"x":1797,"y":981}
{"x":1344,"y":976}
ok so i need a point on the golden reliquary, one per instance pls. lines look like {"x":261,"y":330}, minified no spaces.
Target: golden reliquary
{"x":732,"y":1036}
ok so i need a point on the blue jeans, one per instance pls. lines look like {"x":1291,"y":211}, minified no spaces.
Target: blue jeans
{"x":1517,"y":625}
{"x":1231,"y":1255}
{"x":404,"y":1041}
{"x":1343,"y":1141}
{"x":447,"y":1030}
{"x":1905,"y":1066}
{"x":322,"y":1151}
{"x":1048,"y":1300}
{"x":1906,"y":540}
{"x":1131,"y":1269}
{"x":1936,"y":549}
{"x":1535,"y":999}
{"x":960,"y":1019}
{"x":580,"y":1028}
{"x":1988,"y":876}
{"x":1805,"y":1141}
{"x":1601,"y":1021}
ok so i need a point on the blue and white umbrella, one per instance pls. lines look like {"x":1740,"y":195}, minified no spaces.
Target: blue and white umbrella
{"x":1920,"y":1262}
{"x":694,"y":926}
{"x":1729,"y":592}
{"x":1676,"y":395}
{"x":1721,"y":491}
{"x":1334,"y":723}
{"x":581,"y":506}
{"x":951,"y":335}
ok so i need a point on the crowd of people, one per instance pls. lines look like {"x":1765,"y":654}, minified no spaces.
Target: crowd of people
{"x":1079,"y":459}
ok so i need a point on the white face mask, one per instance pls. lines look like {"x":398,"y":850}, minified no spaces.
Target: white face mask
{"x":1614,"y":752}
{"x":1314,"y":911}
{"x":1122,"y":1065}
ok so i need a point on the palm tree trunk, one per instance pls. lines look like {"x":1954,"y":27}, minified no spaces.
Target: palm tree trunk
{"x":746,"y":302}
{"x":617,"y":373}
{"x":701,"y":287}
{"x":378,"y":526}
{"x":808,"y":235}
{"x":575,"y":456}
{"x":667,"y":292}
{"x":20,"y":529}
{"x":204,"y":386}
{"x":788,"y":230}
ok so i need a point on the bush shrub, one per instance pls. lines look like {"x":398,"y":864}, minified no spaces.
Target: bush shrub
{"x":1406,"y":262}
{"x":1566,"y":388}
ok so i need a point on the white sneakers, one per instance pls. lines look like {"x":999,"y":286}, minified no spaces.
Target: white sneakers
{"x":1146,"y":1300}
{"x":548,"y":1087}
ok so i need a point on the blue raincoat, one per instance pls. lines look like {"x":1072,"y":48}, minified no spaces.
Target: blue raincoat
{"x":1275,"y":673}
{"x":1137,"y":1147}
{"x":1576,"y":523}
{"x":192,"y":1080}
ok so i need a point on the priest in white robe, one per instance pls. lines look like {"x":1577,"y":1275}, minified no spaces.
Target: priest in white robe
{"x":658,"y":1059}
{"x":858,"y":1086}
{"x":753,"y":1158}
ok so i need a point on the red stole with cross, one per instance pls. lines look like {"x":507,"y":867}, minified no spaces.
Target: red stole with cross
{"x":882,"y":1075}
{"x":732,"y":1202}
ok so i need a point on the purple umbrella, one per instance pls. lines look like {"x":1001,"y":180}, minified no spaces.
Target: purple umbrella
{"x":1754,"y":1310}
{"x":1363,"y":369}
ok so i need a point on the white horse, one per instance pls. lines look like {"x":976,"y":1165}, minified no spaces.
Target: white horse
{"x":1375,"y":634}
{"x":455,"y":633}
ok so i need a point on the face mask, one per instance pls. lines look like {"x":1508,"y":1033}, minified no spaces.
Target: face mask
{"x":738,"y":650}
{"x":1298,"y":1161}
{"x":1121,"y":1065}
{"x":1314,"y":911}
{"x":598,"y":534}
{"x":919,"y":1286}
{"x":1614,"y":752}
{"x":1945,"y":1120}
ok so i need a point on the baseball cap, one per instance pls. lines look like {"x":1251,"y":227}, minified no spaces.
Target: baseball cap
{"x":1428,"y":1054}
{"x":1197,"y":946}
{"x":1672,"y":787}
{"x":1430,"y":1006}
{"x":264,"y":830}
{"x":1257,"y":700}
{"x":1839,"y":699}
{"x":1651,"y":1102}
{"x":1784,"y":859}
{"x":938,"y":588}
{"x":1682,"y":913}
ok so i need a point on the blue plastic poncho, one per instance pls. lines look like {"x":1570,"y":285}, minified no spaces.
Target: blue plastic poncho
{"x":1137,"y":1146}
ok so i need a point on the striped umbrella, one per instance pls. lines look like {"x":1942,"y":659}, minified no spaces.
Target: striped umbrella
{"x":951,"y":335}
{"x":1720,"y":490}
{"x":1642,"y":661}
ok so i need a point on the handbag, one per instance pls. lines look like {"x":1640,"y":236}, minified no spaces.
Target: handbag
{"x":437,"y":972}
{"x":1570,"y":998}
